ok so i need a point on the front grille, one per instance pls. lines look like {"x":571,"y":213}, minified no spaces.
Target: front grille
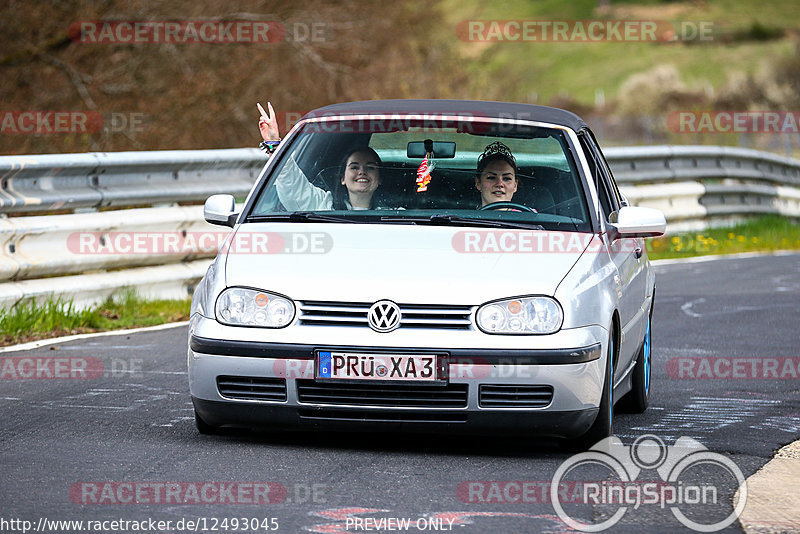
{"x":429,"y":316}
{"x":402,"y":395}
{"x":513,"y":396}
{"x":379,"y":416}
{"x":252,"y":388}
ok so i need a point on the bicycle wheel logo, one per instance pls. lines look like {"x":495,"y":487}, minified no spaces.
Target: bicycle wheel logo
{"x":683,"y":484}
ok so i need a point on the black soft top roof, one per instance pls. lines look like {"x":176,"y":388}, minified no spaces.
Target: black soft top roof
{"x":472,"y":108}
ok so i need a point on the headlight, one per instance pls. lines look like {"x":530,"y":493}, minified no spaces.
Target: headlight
{"x":238,"y":306}
{"x":528,"y":315}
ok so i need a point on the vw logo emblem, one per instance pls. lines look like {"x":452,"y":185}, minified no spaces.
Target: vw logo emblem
{"x":384,"y":316}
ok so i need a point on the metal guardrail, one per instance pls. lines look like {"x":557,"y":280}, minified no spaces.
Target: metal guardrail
{"x":123,"y":179}
{"x":46,"y":245}
{"x":695,"y":186}
{"x":701,"y":186}
{"x":674,"y":163}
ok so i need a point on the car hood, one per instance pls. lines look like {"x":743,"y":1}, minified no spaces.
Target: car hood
{"x":400,"y":262}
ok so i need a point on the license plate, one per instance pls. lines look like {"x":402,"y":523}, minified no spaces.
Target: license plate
{"x":402,"y":367}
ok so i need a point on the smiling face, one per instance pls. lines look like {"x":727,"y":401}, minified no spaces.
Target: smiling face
{"x":361,"y":175}
{"x":497,"y":182}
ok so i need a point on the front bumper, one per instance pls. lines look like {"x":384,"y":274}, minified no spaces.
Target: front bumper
{"x":573,"y":376}
{"x":562,"y":424}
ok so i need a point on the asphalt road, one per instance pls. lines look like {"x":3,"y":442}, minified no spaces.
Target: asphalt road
{"x":77,"y":449}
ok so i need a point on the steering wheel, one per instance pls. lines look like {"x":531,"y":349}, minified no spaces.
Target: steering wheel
{"x":505,"y":204}
{"x":324,"y":178}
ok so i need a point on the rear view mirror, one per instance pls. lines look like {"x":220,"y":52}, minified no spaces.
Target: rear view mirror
{"x":440,"y":149}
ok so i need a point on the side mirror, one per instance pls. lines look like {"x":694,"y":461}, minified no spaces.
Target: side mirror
{"x":220,"y":210}
{"x":634,"y":221}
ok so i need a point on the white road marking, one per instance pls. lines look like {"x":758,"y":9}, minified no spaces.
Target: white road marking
{"x":45,"y":342}
{"x":687,"y":307}
{"x":140,"y":394}
{"x":702,"y":259}
{"x":704,"y":415}
{"x":173,"y":422}
{"x":784,"y":423}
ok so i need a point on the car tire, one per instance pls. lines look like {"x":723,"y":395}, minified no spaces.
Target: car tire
{"x":637,"y":399}
{"x":603,"y":425}
{"x":203,"y":427}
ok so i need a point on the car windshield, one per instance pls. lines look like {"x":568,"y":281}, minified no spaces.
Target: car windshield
{"x":368,"y":170}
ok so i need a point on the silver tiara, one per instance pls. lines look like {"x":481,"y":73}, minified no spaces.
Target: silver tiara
{"x":497,"y":149}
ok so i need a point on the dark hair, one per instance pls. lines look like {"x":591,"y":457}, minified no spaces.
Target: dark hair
{"x":496,"y":151}
{"x":340,"y":194}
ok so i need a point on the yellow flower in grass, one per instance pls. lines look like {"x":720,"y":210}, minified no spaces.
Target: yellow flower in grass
{"x":676,"y":240}
{"x":731,"y":235}
{"x":741,"y":239}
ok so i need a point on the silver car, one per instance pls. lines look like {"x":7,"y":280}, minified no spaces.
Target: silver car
{"x":433,"y":265}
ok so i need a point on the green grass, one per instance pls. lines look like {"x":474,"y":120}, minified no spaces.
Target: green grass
{"x":55,"y":317}
{"x":747,"y":36}
{"x":764,"y":234}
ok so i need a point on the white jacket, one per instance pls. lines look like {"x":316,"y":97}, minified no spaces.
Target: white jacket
{"x":296,"y":193}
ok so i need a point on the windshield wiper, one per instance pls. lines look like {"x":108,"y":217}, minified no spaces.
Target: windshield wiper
{"x":440,"y":219}
{"x":301,"y":216}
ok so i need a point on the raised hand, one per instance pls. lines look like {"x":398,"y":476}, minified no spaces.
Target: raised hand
{"x":268,"y":123}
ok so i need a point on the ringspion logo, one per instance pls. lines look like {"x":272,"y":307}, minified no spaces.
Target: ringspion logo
{"x":694,"y":483}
